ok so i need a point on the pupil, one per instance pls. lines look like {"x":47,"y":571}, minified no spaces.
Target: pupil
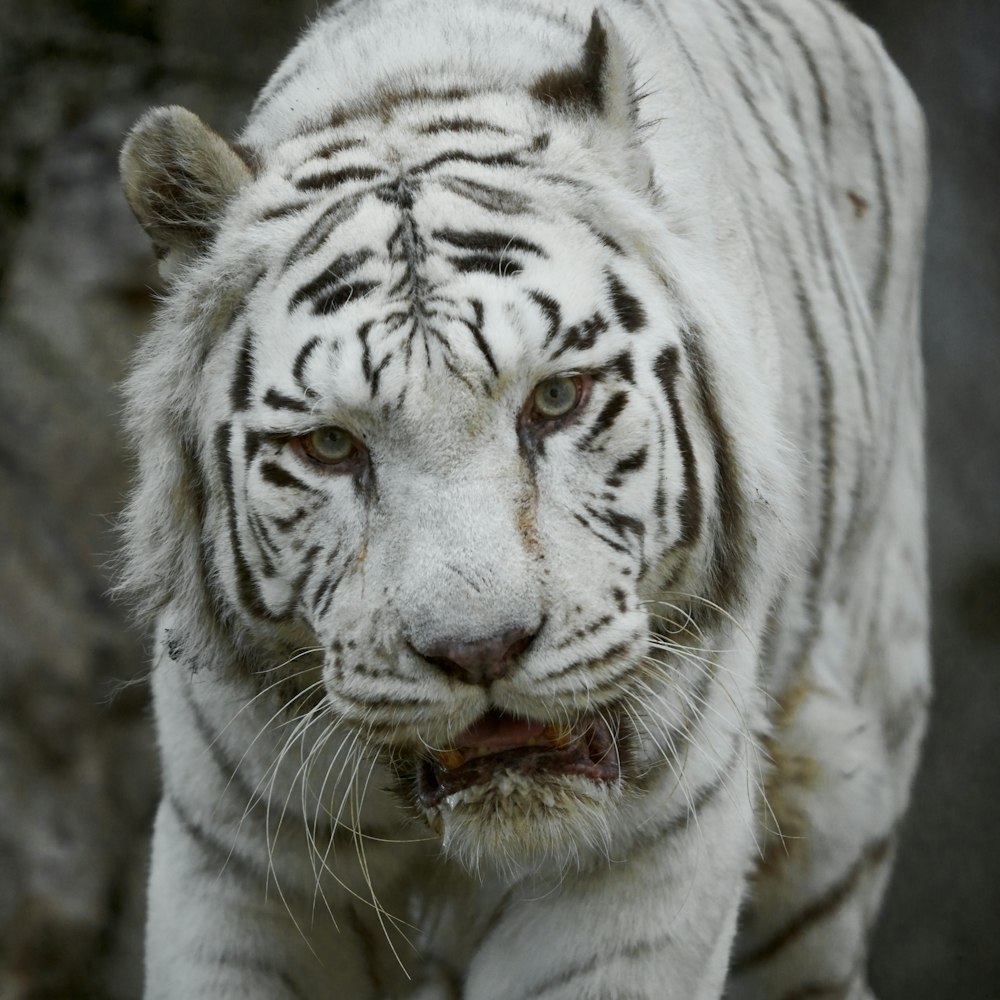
{"x":331,"y":443}
{"x":557,"y":396}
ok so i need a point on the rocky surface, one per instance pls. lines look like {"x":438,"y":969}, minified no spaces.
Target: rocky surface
{"x":78,"y":770}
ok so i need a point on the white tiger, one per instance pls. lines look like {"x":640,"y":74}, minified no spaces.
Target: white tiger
{"x":530,"y":495}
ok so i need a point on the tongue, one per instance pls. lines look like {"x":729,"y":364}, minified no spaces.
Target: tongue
{"x":495,"y":732}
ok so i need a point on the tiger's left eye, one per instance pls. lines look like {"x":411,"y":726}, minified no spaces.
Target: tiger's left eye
{"x":327,"y":446}
{"x":555,"y":397}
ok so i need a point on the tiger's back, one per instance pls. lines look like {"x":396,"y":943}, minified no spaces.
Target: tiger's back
{"x":531,"y":460}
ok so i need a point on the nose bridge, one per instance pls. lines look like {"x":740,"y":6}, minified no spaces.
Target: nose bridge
{"x":464,"y":572}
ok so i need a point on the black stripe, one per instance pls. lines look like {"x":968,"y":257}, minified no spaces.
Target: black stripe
{"x":730,"y":553}
{"x":487,"y":240}
{"x":621,"y":524}
{"x":239,"y":390}
{"x":276,"y":475}
{"x":334,"y":178}
{"x":819,"y":89}
{"x":694,"y":67}
{"x":326,"y":305}
{"x":550,"y":308}
{"x":606,"y":240}
{"x":246,"y":585}
{"x":279,"y":401}
{"x":653,"y":836}
{"x":389,"y":100}
{"x":325,"y":593}
{"x":460,"y":125}
{"x":632,"y":463}
{"x":606,"y":418}
{"x":332,"y":281}
{"x":626,"y":466}
{"x":784,"y":161}
{"x":689,"y":511}
{"x":285,"y":523}
{"x":853,"y":328}
{"x":854,"y":74}
{"x":822,"y":907}
{"x":284,"y":211}
{"x":592,"y":663}
{"x":337,"y":146}
{"x":621,"y":365}
{"x":299,"y":583}
{"x":212,"y":740}
{"x":253,"y":441}
{"x":301,"y":359}
{"x":265,"y":547}
{"x":610,"y":542}
{"x":366,"y":351}
{"x":826,"y":461}
{"x":819,"y":216}
{"x":494,"y":199}
{"x":627,"y":307}
{"x":511,"y":159}
{"x":480,"y":263}
{"x":219,"y":856}
{"x":274,"y":89}
{"x":476,"y":328}
{"x":586,"y":630}
{"x":582,"y":336}
{"x":399,"y":193}
{"x":660,"y":503}
{"x":317,"y":234}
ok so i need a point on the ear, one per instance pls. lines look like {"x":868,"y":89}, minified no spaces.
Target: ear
{"x":178,"y":177}
{"x":600,"y":83}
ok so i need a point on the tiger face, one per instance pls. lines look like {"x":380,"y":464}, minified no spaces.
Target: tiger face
{"x":456,"y":473}
{"x":450,"y":439}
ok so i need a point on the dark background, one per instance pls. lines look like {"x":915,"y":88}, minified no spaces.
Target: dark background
{"x":78,"y":767}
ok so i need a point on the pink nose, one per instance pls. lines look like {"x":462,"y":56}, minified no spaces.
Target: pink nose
{"x":481,"y":661}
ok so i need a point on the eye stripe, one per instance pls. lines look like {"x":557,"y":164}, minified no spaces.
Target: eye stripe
{"x":276,"y":475}
{"x":279,"y":401}
{"x":606,"y":418}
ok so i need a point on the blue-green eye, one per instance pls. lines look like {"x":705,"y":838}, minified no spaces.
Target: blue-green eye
{"x":555,"y":397}
{"x":328,"y":445}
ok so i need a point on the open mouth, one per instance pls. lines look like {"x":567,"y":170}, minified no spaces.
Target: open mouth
{"x":500,"y":742}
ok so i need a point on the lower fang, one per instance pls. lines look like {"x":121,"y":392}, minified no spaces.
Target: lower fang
{"x":450,"y":759}
{"x":558,"y":734}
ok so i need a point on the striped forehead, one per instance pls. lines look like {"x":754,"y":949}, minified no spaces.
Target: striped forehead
{"x":387,"y":289}
{"x":450,"y":260}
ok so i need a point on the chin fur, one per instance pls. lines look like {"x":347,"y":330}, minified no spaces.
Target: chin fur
{"x":519,"y":825}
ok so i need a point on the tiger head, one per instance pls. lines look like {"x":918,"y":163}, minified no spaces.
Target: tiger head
{"x":433,"y":395}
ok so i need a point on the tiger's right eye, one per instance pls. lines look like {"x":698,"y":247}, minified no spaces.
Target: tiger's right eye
{"x":555,"y":397}
{"x":327,"y":446}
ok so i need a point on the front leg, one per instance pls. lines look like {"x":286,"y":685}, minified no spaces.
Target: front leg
{"x":654,"y":924}
{"x":217,"y":930}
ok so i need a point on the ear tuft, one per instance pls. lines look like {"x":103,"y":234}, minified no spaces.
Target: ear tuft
{"x":178,"y":177}
{"x":601,"y":82}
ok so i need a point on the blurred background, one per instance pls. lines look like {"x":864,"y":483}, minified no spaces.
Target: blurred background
{"x":78,"y":768}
